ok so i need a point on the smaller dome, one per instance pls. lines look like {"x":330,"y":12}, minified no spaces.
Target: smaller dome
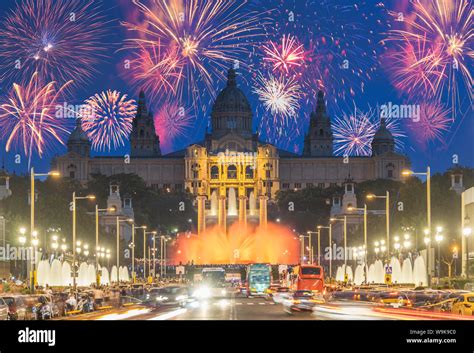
{"x":383,"y":133}
{"x":78,"y":134}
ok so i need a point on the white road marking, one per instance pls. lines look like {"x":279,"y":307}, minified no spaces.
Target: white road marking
{"x":169,"y":315}
{"x":126,"y":315}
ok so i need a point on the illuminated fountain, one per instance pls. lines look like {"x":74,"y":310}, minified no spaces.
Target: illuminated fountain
{"x":43,"y":271}
{"x":232,"y":228}
{"x":66,"y":278}
{"x":104,"y":279}
{"x":242,"y":244}
{"x":402,"y":272}
{"x":407,"y":272}
{"x":55,"y":274}
{"x":340,"y":273}
{"x":59,"y":274}
{"x":252,"y":204}
{"x":122,"y":272}
{"x":419,"y":272}
{"x":359,"y":275}
{"x":396,"y":270}
{"x":213,"y":210}
{"x":232,"y":211}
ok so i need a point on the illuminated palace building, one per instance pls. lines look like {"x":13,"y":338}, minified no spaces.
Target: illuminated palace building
{"x":232,"y":173}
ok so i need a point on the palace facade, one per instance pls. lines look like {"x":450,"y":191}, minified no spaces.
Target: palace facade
{"x":233,"y":156}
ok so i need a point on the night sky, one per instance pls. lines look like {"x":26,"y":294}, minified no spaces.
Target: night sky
{"x":333,"y":32}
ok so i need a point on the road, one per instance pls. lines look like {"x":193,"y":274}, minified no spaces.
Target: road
{"x":236,"y":307}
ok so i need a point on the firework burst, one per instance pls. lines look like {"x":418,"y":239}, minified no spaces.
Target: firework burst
{"x":337,"y":53}
{"x":173,"y":122}
{"x":28,"y":117}
{"x":191,"y":44}
{"x":107,"y":121}
{"x":433,"y":51}
{"x":61,"y":40}
{"x":279,"y":95}
{"x":354,"y":132}
{"x":286,"y":55}
{"x":433,"y":124}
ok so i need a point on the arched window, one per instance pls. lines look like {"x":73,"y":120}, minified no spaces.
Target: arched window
{"x":232,"y":172}
{"x":195,"y":169}
{"x":215,"y":172}
{"x":249,"y":172}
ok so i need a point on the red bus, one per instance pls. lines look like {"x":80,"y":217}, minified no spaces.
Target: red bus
{"x":307,"y":277}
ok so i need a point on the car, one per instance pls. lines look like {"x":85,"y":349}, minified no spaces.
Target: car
{"x":464,"y":304}
{"x":17,"y":308}
{"x":395,"y":299}
{"x":302,"y":300}
{"x":167,"y":296}
{"x":278,"y":294}
{"x":3,"y":310}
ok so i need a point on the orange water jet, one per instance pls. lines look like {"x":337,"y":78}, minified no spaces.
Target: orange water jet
{"x":242,"y":244}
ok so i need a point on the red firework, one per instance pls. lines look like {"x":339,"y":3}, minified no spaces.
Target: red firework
{"x":433,"y":123}
{"x":285,"y":55}
{"x":172,"y":122}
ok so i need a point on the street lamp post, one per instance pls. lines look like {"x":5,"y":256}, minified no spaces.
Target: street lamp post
{"x":74,"y":199}
{"x":144,"y":252}
{"x":318,"y":232}
{"x":330,"y":247}
{"x":344,"y":219}
{"x":467,"y":232}
{"x":97,"y":210}
{"x":439,"y":239}
{"x":428,"y":216}
{"x":118,"y":243}
{"x":365,"y":233}
{"x":33,"y":175}
{"x":310,"y":247}
{"x":22,"y":241}
{"x":133,"y":250}
{"x":387,"y":217}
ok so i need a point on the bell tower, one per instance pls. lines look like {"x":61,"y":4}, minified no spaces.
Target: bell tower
{"x":319,"y":140}
{"x":143,"y":141}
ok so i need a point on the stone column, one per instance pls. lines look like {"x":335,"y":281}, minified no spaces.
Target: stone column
{"x":263,"y":211}
{"x":201,"y":218}
{"x":243,"y":210}
{"x":221,"y":213}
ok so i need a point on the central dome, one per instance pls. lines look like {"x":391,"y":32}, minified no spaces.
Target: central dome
{"x":231,"y":110}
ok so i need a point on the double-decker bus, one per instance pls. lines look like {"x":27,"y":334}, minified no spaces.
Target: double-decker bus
{"x":307,"y":277}
{"x":259,"y":278}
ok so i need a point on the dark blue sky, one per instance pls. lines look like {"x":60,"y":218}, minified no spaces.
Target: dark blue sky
{"x":378,"y":90}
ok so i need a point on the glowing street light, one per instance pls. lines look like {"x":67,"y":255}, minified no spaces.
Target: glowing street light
{"x":33,"y":176}
{"x":428,"y":212}
{"x":439,"y":238}
{"x":74,"y":201}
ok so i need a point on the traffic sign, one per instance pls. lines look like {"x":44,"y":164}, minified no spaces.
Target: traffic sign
{"x":388,"y":279}
{"x":388,"y":270}
{"x":180,"y":270}
{"x":455,"y":255}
